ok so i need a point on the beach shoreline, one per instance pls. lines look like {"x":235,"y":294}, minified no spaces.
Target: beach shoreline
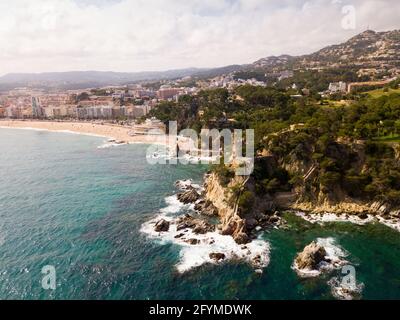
{"x":109,"y":131}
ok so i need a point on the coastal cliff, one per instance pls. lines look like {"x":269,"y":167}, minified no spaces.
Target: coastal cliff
{"x":339,"y":175}
{"x":231,"y":222}
{"x":241,"y":214}
{"x":347,"y":178}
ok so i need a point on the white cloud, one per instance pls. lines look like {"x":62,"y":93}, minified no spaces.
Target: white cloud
{"x":135,"y":35}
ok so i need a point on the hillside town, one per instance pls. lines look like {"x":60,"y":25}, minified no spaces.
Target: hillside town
{"x":334,"y":71}
{"x":112,"y":102}
{"x":135,"y":101}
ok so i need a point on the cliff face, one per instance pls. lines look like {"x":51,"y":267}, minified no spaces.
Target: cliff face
{"x":321,"y":191}
{"x":231,"y":223}
{"x":219,"y":196}
{"x":337,"y":180}
{"x":236,"y":220}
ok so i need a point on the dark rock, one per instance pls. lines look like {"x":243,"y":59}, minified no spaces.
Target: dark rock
{"x":395,"y":214}
{"x":241,"y":238}
{"x":184,"y":222}
{"x":189,"y":196}
{"x":274,"y":219}
{"x":162,"y":226}
{"x":193,"y":242}
{"x":198,"y":226}
{"x":217,"y":256}
{"x":207,"y":208}
{"x":257,"y":260}
{"x":270,"y":207}
{"x":251,"y":224}
{"x":229,"y":229}
{"x":237,"y":229}
{"x":199,"y":205}
{"x":179,"y":235}
{"x":363,"y":215}
{"x":203,"y":228}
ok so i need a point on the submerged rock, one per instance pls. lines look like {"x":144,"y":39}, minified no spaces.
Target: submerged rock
{"x":161,"y":226}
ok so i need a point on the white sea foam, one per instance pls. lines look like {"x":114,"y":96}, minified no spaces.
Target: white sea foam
{"x":110,"y":145}
{"x":184,"y":185}
{"x":184,"y":159}
{"x":173,"y":205}
{"x":191,"y":256}
{"x":334,"y":254}
{"x":331,"y":217}
{"x":344,"y":292}
{"x":390,"y":223}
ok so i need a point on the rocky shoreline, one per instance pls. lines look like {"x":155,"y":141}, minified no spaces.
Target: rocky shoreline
{"x":243,"y":227}
{"x":199,"y":233}
{"x":210,"y":231}
{"x":343,"y":212}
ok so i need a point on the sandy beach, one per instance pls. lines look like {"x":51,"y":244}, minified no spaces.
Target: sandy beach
{"x":109,"y":131}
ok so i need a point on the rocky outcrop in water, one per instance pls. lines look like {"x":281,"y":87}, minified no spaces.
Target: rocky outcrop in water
{"x":199,"y":226}
{"x":242,"y":225}
{"x":161,"y":226}
{"x":216,"y":200}
{"x":236,"y":228}
{"x":206,"y":208}
{"x":311,"y":257}
{"x":190,"y":196}
{"x":193,"y":242}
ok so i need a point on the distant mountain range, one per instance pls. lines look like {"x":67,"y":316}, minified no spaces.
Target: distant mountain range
{"x":369,"y":49}
{"x":88,"y":79}
{"x":85,"y":79}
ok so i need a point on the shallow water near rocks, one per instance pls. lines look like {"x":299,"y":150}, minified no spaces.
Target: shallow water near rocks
{"x":66,"y":203}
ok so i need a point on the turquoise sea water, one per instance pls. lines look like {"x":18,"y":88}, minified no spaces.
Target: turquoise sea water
{"x":66,"y":203}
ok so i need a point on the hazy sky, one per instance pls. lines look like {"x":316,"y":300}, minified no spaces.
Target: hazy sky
{"x":137,"y":35}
